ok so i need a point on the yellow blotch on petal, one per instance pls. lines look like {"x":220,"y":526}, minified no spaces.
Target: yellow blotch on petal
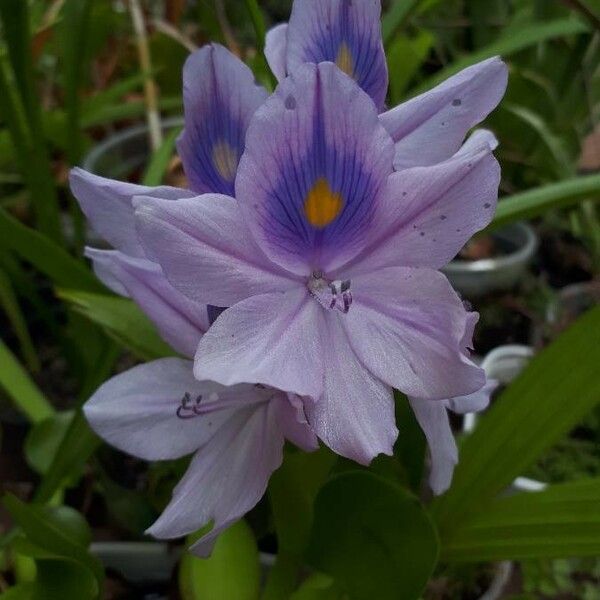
{"x":322,"y":205}
{"x":344,"y":60}
{"x":225,"y":160}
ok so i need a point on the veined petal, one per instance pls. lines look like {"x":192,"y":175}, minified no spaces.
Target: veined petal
{"x":276,"y":50}
{"x":355,"y":414}
{"x":316,"y":159}
{"x":107,"y":205}
{"x":344,"y":32}
{"x":406,"y":326}
{"x":136,"y":411}
{"x":433,"y":419}
{"x":431,"y":127}
{"x":180,"y":321}
{"x":428,"y":213}
{"x":226,"y":478}
{"x":220,"y":96}
{"x":273,"y":339}
{"x":206,"y":250}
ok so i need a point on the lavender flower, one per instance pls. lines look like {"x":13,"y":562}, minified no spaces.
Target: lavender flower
{"x":328,"y":261}
{"x":329,"y":266}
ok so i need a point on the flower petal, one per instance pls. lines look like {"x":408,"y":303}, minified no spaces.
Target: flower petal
{"x":406,"y":326}
{"x":316,"y":159}
{"x":431,"y":127}
{"x":355,"y":414}
{"x":276,"y":50}
{"x":295,"y":427}
{"x":475,"y":402}
{"x":344,"y":32}
{"x":206,"y":250}
{"x":180,"y":321}
{"x":136,"y":411}
{"x":433,"y":419}
{"x":429,"y":213}
{"x":226,"y":478}
{"x":107,"y":205}
{"x":273,"y":339}
{"x":220,"y":96}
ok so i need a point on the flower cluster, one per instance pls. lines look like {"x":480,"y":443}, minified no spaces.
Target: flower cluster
{"x":300,"y":270}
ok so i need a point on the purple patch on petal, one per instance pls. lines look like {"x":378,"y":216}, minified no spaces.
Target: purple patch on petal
{"x":220,"y":97}
{"x":345,"y":32}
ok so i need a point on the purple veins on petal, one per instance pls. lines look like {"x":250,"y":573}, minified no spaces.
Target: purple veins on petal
{"x":220,"y":97}
{"x":343,"y":32}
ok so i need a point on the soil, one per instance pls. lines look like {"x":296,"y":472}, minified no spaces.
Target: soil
{"x":468,"y":582}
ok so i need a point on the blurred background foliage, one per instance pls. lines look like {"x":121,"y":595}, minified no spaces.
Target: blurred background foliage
{"x":72,"y":75}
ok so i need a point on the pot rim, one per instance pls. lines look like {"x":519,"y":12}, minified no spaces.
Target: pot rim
{"x":523,"y":255}
{"x":123,"y":135}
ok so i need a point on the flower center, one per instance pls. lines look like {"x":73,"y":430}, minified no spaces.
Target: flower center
{"x":330,"y":294}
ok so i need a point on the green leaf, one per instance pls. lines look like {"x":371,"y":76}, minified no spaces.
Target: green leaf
{"x":373,"y":537}
{"x":10,"y":304}
{"x":73,"y":35}
{"x":536,"y":202}
{"x":77,"y":445}
{"x":405,"y":57}
{"x":560,"y":522}
{"x":260,"y":30}
{"x":410,"y":446}
{"x":122,"y":320}
{"x":317,"y":587}
{"x":232,"y":572}
{"x":23,"y":591}
{"x":292,"y":491}
{"x":43,"y":440}
{"x":159,"y":162}
{"x":557,"y":389}
{"x":511,"y":42}
{"x":46,"y":256}
{"x":56,"y":531}
{"x":25,"y":394}
{"x":395,"y":17}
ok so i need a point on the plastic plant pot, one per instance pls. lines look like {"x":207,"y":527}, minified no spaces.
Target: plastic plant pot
{"x":504,"y":364}
{"x":125,"y":152}
{"x":479,"y":277}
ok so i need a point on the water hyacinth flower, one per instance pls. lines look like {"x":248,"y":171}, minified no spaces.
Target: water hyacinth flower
{"x":220,"y":99}
{"x":327,"y":260}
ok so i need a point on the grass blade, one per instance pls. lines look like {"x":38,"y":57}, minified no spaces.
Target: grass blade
{"x":560,"y":522}
{"x":536,"y":202}
{"x":25,"y":394}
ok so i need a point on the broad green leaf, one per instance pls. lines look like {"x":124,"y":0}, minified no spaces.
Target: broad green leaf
{"x":318,"y":587}
{"x":46,"y":256}
{"x":508,"y":44}
{"x":55,"y":531}
{"x":77,"y":445}
{"x":292,"y":491}
{"x":405,"y":57}
{"x":410,"y":446}
{"x":395,"y":17}
{"x":23,"y":591}
{"x":232,"y":572}
{"x":44,"y":439}
{"x":561,"y":521}
{"x":373,"y":537}
{"x":536,"y":202}
{"x":57,"y":577}
{"x":160,"y":159}
{"x":557,"y":389}
{"x":23,"y":391}
{"x":122,"y":320}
